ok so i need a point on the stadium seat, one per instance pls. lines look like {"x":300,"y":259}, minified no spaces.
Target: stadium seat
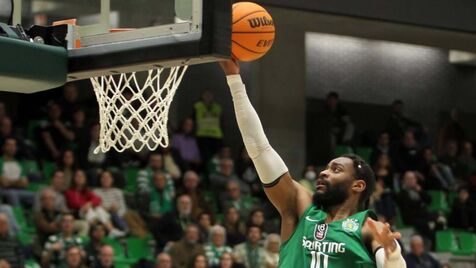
{"x":30,"y":263}
{"x":467,"y":243}
{"x":116,"y":245}
{"x":439,"y":202}
{"x":21,"y":219}
{"x":130,"y":174}
{"x":446,"y":241}
{"x":138,"y":248}
{"x":364,"y":153}
{"x":341,"y":150}
{"x":48,"y":169}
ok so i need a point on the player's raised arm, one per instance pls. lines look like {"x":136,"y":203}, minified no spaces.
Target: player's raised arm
{"x":290,"y":198}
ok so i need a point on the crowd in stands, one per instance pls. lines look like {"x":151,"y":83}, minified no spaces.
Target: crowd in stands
{"x":192,"y":204}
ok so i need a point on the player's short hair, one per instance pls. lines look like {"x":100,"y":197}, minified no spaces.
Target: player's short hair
{"x":364,"y":172}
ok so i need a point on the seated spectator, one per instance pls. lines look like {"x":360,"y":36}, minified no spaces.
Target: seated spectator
{"x":450,"y":155}
{"x":219,"y":180}
{"x":199,"y":261}
{"x":69,"y":102}
{"x":446,"y":265}
{"x":413,"y":207}
{"x":398,"y":123}
{"x":452,"y":130}
{"x":235,"y":227}
{"x":8,"y":131}
{"x":172,"y":162}
{"x":250,"y":253}
{"x":463,"y":212}
{"x":213,"y":166}
{"x":106,"y":257}
{"x":162,"y":195}
{"x":171,"y":226}
{"x":68,"y":165}
{"x":256,"y":218}
{"x":186,"y":144}
{"x":245,"y":170}
{"x":233,"y":198}
{"x":308,"y":180}
{"x":163,"y":260}
{"x":183,"y":251}
{"x":271,"y":250}
{"x":226,"y":261}
{"x":47,"y":218}
{"x":57,"y":187}
{"x":54,"y":252}
{"x":87,"y":205}
{"x":14,"y":227}
{"x":55,"y":133}
{"x":437,"y":175}
{"x":97,"y":232}
{"x":11,"y":251}
{"x":216,"y":246}
{"x":81,"y":134}
{"x":74,"y":258}
{"x":112,"y":200}
{"x":408,"y":154}
{"x":466,"y":166}
{"x":145,"y":176}
{"x":205,"y":222}
{"x":384,"y":170}
{"x":382,"y":202}
{"x":342,"y":129}
{"x":12,"y":178}
{"x":191,"y":182}
{"x":418,"y":257}
{"x":382,"y":147}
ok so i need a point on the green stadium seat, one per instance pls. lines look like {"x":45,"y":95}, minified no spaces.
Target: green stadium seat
{"x":211,"y":200}
{"x":438,"y":201}
{"x":48,"y":170}
{"x":467,"y":243}
{"x":452,"y":196}
{"x":341,"y":150}
{"x":399,"y":221}
{"x":30,"y":263}
{"x":25,"y":238}
{"x":138,"y":248}
{"x":35,"y":187}
{"x":130,"y":174}
{"x":446,"y":241}
{"x":116,"y":245}
{"x":364,"y":153}
{"x":21,"y":219}
{"x":30,"y":166}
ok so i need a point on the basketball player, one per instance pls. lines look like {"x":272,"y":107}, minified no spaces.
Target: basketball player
{"x":331,"y":229}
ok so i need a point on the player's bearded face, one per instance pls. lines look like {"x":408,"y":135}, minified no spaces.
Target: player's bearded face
{"x":331,"y":191}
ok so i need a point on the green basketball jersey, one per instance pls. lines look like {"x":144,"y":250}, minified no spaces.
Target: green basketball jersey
{"x":315,"y":244}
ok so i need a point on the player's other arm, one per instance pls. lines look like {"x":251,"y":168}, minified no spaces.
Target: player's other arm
{"x":288,"y":196}
{"x":384,"y":244}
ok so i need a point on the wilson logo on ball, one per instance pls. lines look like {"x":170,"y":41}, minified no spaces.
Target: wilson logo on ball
{"x":260,"y":22}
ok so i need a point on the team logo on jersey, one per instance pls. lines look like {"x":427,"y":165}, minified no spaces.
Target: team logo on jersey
{"x":350,"y":225}
{"x":320,"y":231}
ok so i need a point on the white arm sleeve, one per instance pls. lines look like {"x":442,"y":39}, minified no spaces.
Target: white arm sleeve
{"x":268,"y":163}
{"x":395,"y":260}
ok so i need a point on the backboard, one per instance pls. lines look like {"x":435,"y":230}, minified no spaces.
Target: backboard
{"x":159,"y":33}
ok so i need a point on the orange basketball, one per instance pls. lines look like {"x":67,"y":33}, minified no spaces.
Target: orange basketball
{"x":253,"y":31}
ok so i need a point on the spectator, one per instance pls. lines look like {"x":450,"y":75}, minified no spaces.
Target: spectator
{"x":408,"y":154}
{"x":55,"y":133}
{"x":106,"y":257}
{"x":418,"y":258}
{"x":235,"y":199}
{"x":171,"y":226}
{"x":437,"y":175}
{"x":145,"y":176}
{"x":450,"y":156}
{"x":14,"y":227}
{"x":235,"y":228}
{"x":199,"y":261}
{"x":452,"y":130}
{"x":10,"y":249}
{"x":208,"y":117}
{"x":342,"y":128}
{"x":205,"y":222}
{"x":271,"y":253}
{"x":164,"y":260}
{"x":3,"y":110}
{"x":172,"y":162}
{"x":7,"y":131}
{"x":213,"y":166}
{"x":219,"y":180}
{"x":69,"y":102}
{"x":186,"y":144}
{"x":12,"y":177}
{"x":413,"y":207}
{"x":87,"y":205}
{"x":81,"y":134}
{"x":97,"y":232}
{"x":382,"y":201}
{"x":226,"y":261}
{"x":216,"y":246}
{"x":256,"y":218}
{"x":250,"y":253}
{"x":191,"y":182}
{"x":183,"y":251}
{"x":74,"y":257}
{"x":446,"y":265}
{"x":466,"y":166}
{"x":54,"y":252}
{"x":308,"y":180}
{"x":162,"y":195}
{"x":398,"y":124}
{"x":57,"y":187}
{"x":47,"y":218}
{"x":382,"y":147}
{"x":68,"y":165}
{"x":112,"y":200}
{"x":463,"y":212}
{"x":384,"y":171}
{"x":245,"y":170}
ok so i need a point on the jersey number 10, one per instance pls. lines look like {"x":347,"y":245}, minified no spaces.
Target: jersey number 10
{"x":319,"y":258}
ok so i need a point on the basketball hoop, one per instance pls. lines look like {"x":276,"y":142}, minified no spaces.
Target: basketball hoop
{"x":134,"y":115}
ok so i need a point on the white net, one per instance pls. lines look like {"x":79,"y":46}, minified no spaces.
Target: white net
{"x":134,"y":114}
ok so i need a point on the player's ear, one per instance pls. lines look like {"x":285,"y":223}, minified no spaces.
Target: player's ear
{"x":359,"y":186}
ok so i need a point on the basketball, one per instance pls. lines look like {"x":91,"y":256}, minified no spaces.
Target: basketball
{"x":252,"y":31}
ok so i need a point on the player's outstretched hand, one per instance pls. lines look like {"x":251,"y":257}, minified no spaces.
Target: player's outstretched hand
{"x":383,"y":235}
{"x":230,"y":66}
